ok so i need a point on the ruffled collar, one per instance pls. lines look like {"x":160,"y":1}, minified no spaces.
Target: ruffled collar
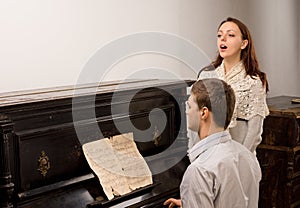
{"x":237,"y":70}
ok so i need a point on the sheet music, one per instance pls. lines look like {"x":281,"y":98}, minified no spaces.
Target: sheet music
{"x":118,"y":164}
{"x":135,"y":167}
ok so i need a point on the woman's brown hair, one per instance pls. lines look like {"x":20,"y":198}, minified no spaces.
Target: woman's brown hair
{"x":248,"y":55}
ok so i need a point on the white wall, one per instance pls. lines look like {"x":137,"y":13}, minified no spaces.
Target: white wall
{"x":298,"y":41}
{"x":47,"y":43}
{"x":275,"y":28}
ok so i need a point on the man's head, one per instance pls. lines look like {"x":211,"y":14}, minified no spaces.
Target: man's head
{"x":210,"y":105}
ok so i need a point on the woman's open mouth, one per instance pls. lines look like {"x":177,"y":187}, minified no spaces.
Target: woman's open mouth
{"x":223,"y":47}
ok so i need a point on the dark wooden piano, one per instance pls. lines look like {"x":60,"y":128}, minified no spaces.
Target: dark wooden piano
{"x":42,"y":132}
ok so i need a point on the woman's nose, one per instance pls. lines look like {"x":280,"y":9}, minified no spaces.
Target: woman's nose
{"x":223,"y":37}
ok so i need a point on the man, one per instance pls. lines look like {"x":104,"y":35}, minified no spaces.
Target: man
{"x":222,"y":173}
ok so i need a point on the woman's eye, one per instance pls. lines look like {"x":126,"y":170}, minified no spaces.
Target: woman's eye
{"x":218,"y":35}
{"x":231,"y":35}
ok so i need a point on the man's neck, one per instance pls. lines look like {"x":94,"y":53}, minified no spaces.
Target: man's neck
{"x":205,"y":132}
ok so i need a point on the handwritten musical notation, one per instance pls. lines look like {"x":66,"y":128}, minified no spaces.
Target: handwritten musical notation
{"x":118,"y":164}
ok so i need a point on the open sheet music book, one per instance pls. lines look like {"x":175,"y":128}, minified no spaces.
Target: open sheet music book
{"x":118,"y":164}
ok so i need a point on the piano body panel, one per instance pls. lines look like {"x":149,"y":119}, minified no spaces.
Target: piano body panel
{"x":6,"y":184}
{"x":42,"y":157}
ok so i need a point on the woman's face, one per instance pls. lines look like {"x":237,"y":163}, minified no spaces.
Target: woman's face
{"x":230,"y":42}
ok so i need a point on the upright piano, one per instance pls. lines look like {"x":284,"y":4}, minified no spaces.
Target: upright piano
{"x":42,"y":132}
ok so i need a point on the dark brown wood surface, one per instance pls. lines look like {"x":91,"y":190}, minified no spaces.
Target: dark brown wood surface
{"x":279,"y":155}
{"x":42,"y":163}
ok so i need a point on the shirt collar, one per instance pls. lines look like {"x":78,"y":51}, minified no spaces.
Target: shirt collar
{"x":208,"y":142}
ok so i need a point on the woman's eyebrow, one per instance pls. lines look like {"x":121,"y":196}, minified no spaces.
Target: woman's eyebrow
{"x":229,"y":30}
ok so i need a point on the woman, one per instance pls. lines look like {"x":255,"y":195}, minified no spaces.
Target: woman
{"x":236,"y":63}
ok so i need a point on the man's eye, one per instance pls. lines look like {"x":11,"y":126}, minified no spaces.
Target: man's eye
{"x":218,"y":35}
{"x":187,"y":105}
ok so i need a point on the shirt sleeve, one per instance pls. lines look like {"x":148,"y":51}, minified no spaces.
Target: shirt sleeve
{"x":198,"y":188}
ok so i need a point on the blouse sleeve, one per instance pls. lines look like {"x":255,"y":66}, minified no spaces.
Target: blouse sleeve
{"x":253,"y":137}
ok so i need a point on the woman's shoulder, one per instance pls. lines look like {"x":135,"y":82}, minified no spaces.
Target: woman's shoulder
{"x":207,"y":72}
{"x":244,"y":81}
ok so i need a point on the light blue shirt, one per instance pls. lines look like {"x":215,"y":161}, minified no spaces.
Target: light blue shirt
{"x":223,"y":173}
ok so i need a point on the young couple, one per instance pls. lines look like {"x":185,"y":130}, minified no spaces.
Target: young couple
{"x":227,"y":113}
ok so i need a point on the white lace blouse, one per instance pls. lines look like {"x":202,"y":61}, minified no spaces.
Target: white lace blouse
{"x":249,"y":92}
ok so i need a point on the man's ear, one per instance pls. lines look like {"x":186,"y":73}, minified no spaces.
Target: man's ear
{"x":204,"y":113}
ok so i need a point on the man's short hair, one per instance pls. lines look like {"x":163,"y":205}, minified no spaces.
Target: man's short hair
{"x":218,"y":97}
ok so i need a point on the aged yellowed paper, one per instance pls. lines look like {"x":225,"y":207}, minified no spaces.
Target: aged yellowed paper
{"x":118,"y":164}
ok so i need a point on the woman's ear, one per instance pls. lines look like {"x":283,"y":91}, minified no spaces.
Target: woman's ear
{"x":244,"y":44}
